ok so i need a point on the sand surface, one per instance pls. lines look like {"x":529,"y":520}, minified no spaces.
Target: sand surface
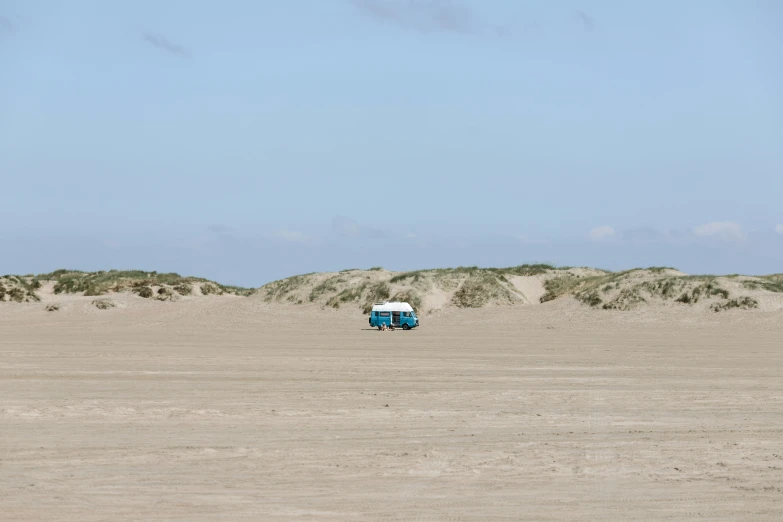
{"x":236,"y":410}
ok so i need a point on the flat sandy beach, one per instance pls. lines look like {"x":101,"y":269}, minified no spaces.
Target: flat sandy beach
{"x":238,"y":410}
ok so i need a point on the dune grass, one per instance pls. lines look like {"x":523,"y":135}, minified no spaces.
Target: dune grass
{"x":741,"y":303}
{"x":624,"y":290}
{"x":102,"y":282}
{"x":18,"y":289}
{"x":327,"y":286}
{"x":480,"y":288}
{"x":771,"y":283}
{"x":407,"y":296}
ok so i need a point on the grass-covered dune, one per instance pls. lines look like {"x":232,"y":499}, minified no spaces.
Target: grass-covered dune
{"x":474,"y":287}
{"x":162,"y":286}
{"x":431,"y":289}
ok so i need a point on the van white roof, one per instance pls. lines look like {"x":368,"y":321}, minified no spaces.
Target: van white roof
{"x":392,"y":307}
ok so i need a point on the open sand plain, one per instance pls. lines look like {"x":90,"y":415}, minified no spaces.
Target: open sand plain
{"x":233,"y":409}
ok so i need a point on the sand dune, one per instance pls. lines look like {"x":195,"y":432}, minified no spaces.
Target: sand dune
{"x":427,"y":290}
{"x":473,"y":287}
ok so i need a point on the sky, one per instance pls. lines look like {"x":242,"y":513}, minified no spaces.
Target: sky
{"x":247,"y":141}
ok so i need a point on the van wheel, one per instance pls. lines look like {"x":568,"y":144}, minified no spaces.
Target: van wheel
{"x":406,"y":327}
{"x":379,"y":328}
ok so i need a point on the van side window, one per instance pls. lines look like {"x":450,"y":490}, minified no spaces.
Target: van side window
{"x":385,"y":314}
{"x":406,"y":314}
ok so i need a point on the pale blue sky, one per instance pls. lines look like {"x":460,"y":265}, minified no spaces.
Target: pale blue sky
{"x":248,"y":140}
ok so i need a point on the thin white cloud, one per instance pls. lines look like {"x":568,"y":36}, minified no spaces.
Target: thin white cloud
{"x":345,"y":226}
{"x":723,"y":230}
{"x":642,"y":234}
{"x":423,"y":15}
{"x":779,"y":229}
{"x":525,"y":240}
{"x":602,"y":233}
{"x":292,"y":236}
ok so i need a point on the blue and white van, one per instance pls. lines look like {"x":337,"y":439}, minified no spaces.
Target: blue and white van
{"x":397,"y":315}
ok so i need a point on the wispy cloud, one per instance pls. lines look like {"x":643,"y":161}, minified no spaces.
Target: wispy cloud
{"x":586,"y":20}
{"x":723,"y":230}
{"x":299,"y":238}
{"x":642,"y":235}
{"x":220,"y":229}
{"x":162,"y":43}
{"x":343,"y":226}
{"x":350,"y":228}
{"x":602,"y":233}
{"x":779,"y":229}
{"x":421,"y":15}
{"x":6,"y":25}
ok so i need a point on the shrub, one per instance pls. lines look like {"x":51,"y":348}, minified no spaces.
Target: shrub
{"x":184,"y":289}
{"x":143,"y":291}
{"x":589,"y":298}
{"x":16,"y":294}
{"x":706,"y":290}
{"x":626,"y":300}
{"x":103,"y":304}
{"x":210,"y":289}
{"x":530,"y":270}
{"x":94,"y":290}
{"x":660,"y":269}
{"x":742,"y":303}
{"x":166,"y":294}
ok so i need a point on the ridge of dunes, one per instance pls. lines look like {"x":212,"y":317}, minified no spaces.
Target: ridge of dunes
{"x":474,"y":287}
{"x":426,"y":290}
{"x":144,"y":284}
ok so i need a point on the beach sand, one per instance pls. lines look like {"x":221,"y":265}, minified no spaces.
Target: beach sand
{"x":230,"y":408}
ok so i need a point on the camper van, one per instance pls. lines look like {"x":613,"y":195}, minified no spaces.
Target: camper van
{"x":397,"y":315}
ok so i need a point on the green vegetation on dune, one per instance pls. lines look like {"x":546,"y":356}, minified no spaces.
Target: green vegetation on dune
{"x":558,"y":286}
{"x":481,"y":288}
{"x":407,"y":296}
{"x":18,"y":289}
{"x":276,"y":290}
{"x":367,"y":294}
{"x":531,"y":270}
{"x":475,"y":287}
{"x":705,"y":290}
{"x":103,"y":282}
{"x":327,"y":286}
{"x":376,"y":293}
{"x":462,"y":286}
{"x":625,"y":290}
{"x":348,"y":295}
{"x":770,"y":283}
{"x":740,"y":303}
